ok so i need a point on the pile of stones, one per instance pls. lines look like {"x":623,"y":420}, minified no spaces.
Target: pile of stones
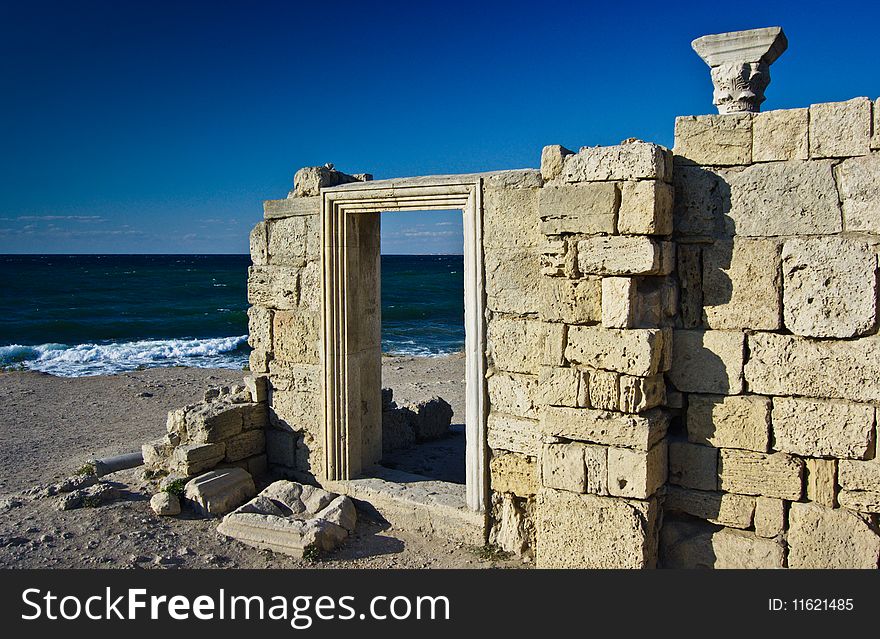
{"x":406,"y":424}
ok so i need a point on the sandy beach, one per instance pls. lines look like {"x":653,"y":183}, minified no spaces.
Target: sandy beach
{"x":50,"y":426}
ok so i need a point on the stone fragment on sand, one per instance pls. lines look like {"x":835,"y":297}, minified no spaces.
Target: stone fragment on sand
{"x":90,"y":497}
{"x":433,"y":417}
{"x":220,"y":491}
{"x":165,"y":504}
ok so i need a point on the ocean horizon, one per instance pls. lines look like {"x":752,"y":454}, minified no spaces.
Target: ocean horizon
{"x":73,"y":315}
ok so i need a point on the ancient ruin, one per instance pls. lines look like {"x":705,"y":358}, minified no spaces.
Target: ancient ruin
{"x":672,"y":355}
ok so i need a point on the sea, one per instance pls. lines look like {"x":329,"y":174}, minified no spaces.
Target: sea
{"x":76,"y":315}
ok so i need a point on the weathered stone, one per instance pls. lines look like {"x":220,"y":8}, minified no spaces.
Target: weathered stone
{"x":553,"y":341}
{"x":579,"y":208}
{"x":555,"y":258}
{"x":433,"y":417}
{"x":259,"y":247}
{"x":220,"y":491}
{"x":516,"y":345}
{"x":619,"y":302}
{"x":822,"y":481}
{"x":638,"y":394}
{"x":281,"y":447}
{"x":515,"y":434}
{"x":748,"y":473}
{"x":552,"y":160}
{"x":634,"y":352}
{"x":823,"y":429}
{"x":397,"y":429}
{"x":510,"y":218}
{"x":780,"y":135}
{"x":637,"y":474}
{"x":340,"y":511}
{"x":213,"y":422}
{"x":296,"y":337}
{"x":695,"y":545}
{"x":293,"y":241}
{"x":620,"y":255}
{"x":559,"y":386}
{"x":310,"y":180}
{"x":512,"y":520}
{"x":633,"y":161}
{"x":191,"y":459}
{"x":570,"y":301}
{"x":511,"y":274}
{"x":513,"y":473}
{"x":693,"y":466}
{"x":645,"y":208}
{"x":260,"y":327}
{"x":513,"y":394}
{"x":589,"y":531}
{"x":840,"y":129}
{"x":875,"y":139}
{"x":248,"y":444}
{"x":769,"y":517}
{"x":729,"y":422}
{"x":604,"y":390}
{"x":563,"y":467}
{"x":690,"y":277}
{"x":823,"y":538}
{"x":789,"y":365}
{"x":257,"y":386}
{"x":602,"y":427}
{"x":714,"y":140}
{"x":295,"y":409}
{"x":829,"y":287}
{"x":156,"y":453}
{"x":741,"y":285}
{"x":725,"y":509}
{"x":165,"y":504}
{"x":289,"y":207}
{"x":700,"y":203}
{"x":859,"y":475}
{"x":273,"y":287}
{"x":707,"y":362}
{"x":859,"y":181}
{"x":863,"y":501}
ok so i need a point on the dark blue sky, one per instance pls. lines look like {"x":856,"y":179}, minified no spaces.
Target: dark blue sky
{"x":160,"y":126}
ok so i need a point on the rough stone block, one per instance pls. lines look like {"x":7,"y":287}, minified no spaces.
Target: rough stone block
{"x":563,"y":467}
{"x":432,"y":418}
{"x":510,"y":218}
{"x":725,"y":509}
{"x":514,"y":394}
{"x":690,"y":277}
{"x":511,"y":274}
{"x":863,"y":501}
{"x":633,"y":161}
{"x":281,"y":447}
{"x":248,"y":444}
{"x":638,"y":394}
{"x":729,"y":422}
{"x":645,"y":208}
{"x":619,"y":302}
{"x":714,"y":140}
{"x":822,"y":481}
{"x":552,"y":346}
{"x":769,"y":517}
{"x":257,"y":386}
{"x":602,"y":427}
{"x":556,"y":258}
{"x":295,"y":409}
{"x":693,"y":545}
{"x":156,"y":453}
{"x":552,"y":160}
{"x":165,"y":504}
{"x":840,"y":129}
{"x":579,"y":208}
{"x":859,"y":475}
{"x":513,"y":473}
{"x":707,"y":362}
{"x":700,"y":203}
{"x":781,"y":135}
{"x":741,"y":285}
{"x":260,"y":327}
{"x":559,"y":386}
{"x":823,"y":538}
{"x":293,"y":241}
{"x":589,"y":531}
{"x":829,"y":287}
{"x":397,"y":429}
{"x":637,"y":474}
{"x":213,"y":422}
{"x":220,"y":491}
{"x":259,"y":247}
{"x":748,"y":473}
{"x":191,"y":459}
{"x":693,"y":466}
{"x":634,"y":352}
{"x":823,"y":429}
{"x":570,"y":301}
{"x":604,"y":390}
{"x":514,"y":434}
{"x":274,"y":287}
{"x":289,"y":207}
{"x":875,"y":139}
{"x":619,"y":255}
{"x":517,"y":345}
{"x":859,"y":181}
{"x":789,"y":365}
{"x":512,"y":524}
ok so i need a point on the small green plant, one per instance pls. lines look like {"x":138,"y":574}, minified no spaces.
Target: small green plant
{"x":86,"y":469}
{"x":176,"y":487}
{"x":311,"y":553}
{"x":490,"y":552}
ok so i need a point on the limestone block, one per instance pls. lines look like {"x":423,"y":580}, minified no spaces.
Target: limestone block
{"x":156,"y":453}
{"x":175,"y":424}
{"x":248,"y":444}
{"x":340,"y":511}
{"x":690,"y":277}
{"x":875,"y":139}
{"x":213,"y":422}
{"x":303,"y":378}
{"x":259,"y":247}
{"x":694,"y":545}
{"x":725,"y":509}
{"x":637,"y":474}
{"x":859,"y":475}
{"x":700,"y":203}
{"x":433,"y":417}
{"x":559,"y":386}
{"x":840,"y":129}
{"x":741,"y":285}
{"x":281,"y":447}
{"x":638,"y":394}
{"x":863,"y":501}
{"x":555,"y":258}
{"x":397,"y":429}
{"x":570,"y":301}
{"x":619,"y":255}
{"x":310,"y":180}
{"x":191,"y":459}
{"x":707,"y":361}
{"x":258,"y":465}
{"x":823,"y":429}
{"x":554,"y":337}
{"x":619,"y":302}
{"x":523,"y":179}
{"x":634,"y":352}
{"x":293,"y":241}
{"x":563,"y":467}
{"x":510,"y":218}
{"x":579,"y":208}
{"x":289,"y":207}
{"x":260,"y":327}
{"x":829,"y":287}
{"x":645,"y":208}
{"x":257,"y":386}
{"x":603,"y":427}
{"x":295,"y":409}
{"x":714,"y":140}
{"x":789,"y":365}
{"x":309,"y":287}
{"x":748,"y":473}
{"x":273,"y":286}
{"x":296,"y":337}
{"x":604,"y":390}
{"x":513,"y":473}
{"x":514,"y":434}
{"x":822,"y":481}
{"x":859,"y":181}
{"x":589,"y":531}
{"x":513,"y":527}
{"x":552,"y":160}
{"x":165,"y":504}
{"x":511,"y":274}
{"x":220,"y":491}
{"x":782,"y":198}
{"x":517,"y":345}
{"x":823,"y":538}
{"x":769,"y":517}
{"x":729,"y":422}
{"x":514,"y":394}
{"x":780,"y":135}
{"x":693,"y":466}
{"x":258,"y":361}
{"x":633,"y":161}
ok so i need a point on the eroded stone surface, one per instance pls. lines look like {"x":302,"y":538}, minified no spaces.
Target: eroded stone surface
{"x":820,"y":537}
{"x":219,"y":491}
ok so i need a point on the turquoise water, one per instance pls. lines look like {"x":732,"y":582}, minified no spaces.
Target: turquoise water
{"x":75,"y":315}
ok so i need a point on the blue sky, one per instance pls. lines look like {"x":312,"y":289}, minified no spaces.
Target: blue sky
{"x":161,"y":126}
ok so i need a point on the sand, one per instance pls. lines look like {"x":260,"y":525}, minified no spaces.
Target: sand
{"x":50,"y":426}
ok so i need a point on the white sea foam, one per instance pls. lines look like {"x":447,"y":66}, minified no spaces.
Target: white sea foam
{"x":104,"y":359}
